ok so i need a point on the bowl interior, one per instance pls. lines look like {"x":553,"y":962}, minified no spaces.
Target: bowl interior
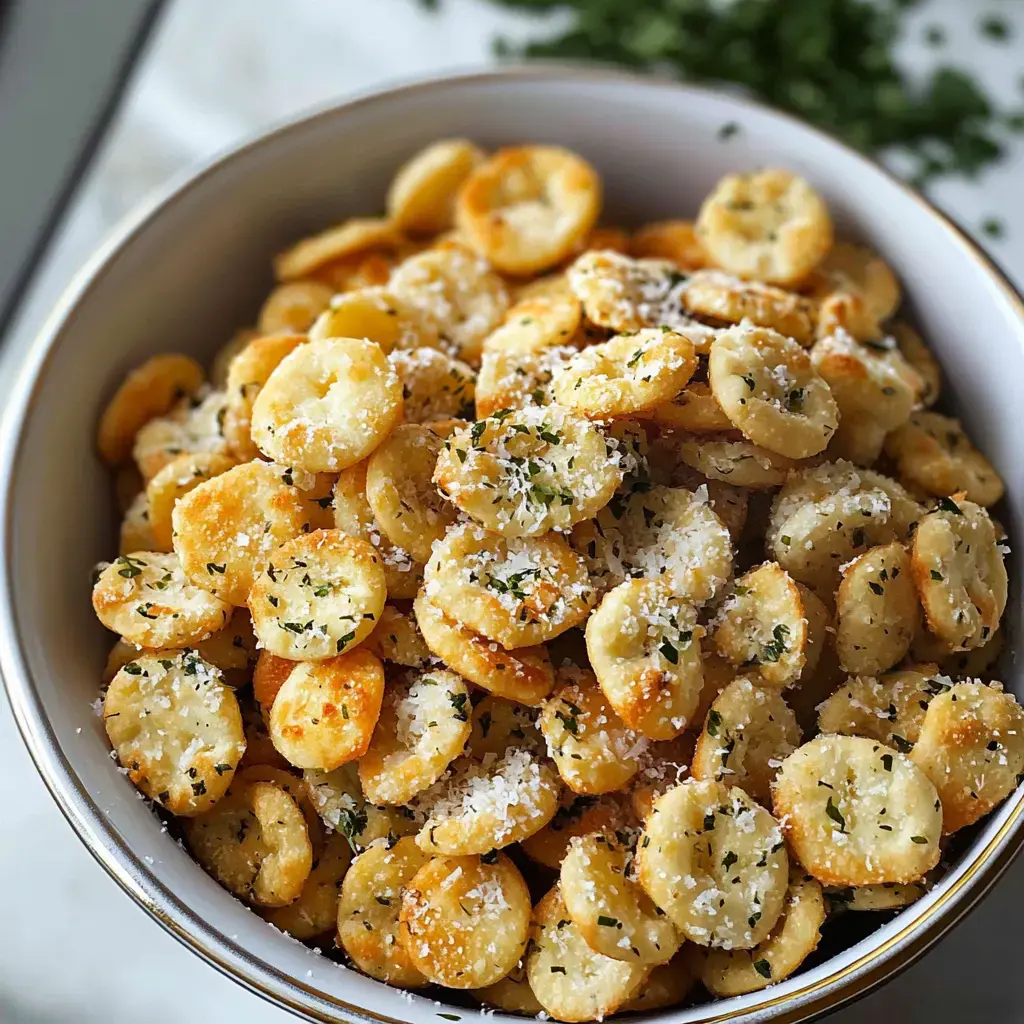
{"x":185,"y":277}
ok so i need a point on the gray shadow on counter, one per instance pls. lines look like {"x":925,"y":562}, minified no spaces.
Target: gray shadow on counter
{"x":974,"y":975}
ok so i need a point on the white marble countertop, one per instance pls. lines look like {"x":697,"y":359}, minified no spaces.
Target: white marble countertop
{"x":75,"y":949}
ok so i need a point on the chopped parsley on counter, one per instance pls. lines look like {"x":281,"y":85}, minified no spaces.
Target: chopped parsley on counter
{"x":831,"y":62}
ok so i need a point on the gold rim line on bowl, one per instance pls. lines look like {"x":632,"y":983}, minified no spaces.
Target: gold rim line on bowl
{"x":924,"y":927}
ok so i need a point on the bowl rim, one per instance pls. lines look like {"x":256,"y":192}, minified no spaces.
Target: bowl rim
{"x":127,"y":869}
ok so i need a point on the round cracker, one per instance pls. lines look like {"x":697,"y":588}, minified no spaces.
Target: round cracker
{"x":226,"y":528}
{"x":421,"y":196}
{"x":716,"y":864}
{"x":594,"y":750}
{"x":147,"y":599}
{"x":609,"y":909}
{"x":767,"y":386}
{"x":957,"y":564}
{"x":626,"y":375}
{"x":761,"y":626}
{"x":325,"y":711}
{"x":327,"y":405}
{"x":526,"y":208}
{"x":666,"y":532}
{"x":150,"y":390}
{"x":338,"y":798}
{"x":490,"y":804}
{"x":524,"y":473}
{"x":175,"y":728}
{"x":422,"y":728}
{"x":644,"y":646}
{"x":319,"y":596}
{"x":769,"y":224}
{"x":876,"y":610}
{"x":572,"y":981}
{"x":524,"y":675}
{"x":889,"y":708}
{"x":971,"y":745}
{"x":371,"y":900}
{"x":465,"y":921}
{"x":255,"y":843}
{"x":793,"y":939}
{"x":748,"y":733}
{"x":857,"y":812}
{"x":516,"y":591}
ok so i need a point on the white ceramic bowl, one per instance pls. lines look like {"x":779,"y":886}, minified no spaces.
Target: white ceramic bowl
{"x":193,"y":267}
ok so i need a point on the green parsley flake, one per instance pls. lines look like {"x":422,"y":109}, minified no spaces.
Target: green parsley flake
{"x":995,"y":28}
{"x":835,"y":814}
{"x":993,"y":227}
{"x":776,"y":647}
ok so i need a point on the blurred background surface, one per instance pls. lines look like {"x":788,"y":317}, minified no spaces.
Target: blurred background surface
{"x":73,"y":948}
